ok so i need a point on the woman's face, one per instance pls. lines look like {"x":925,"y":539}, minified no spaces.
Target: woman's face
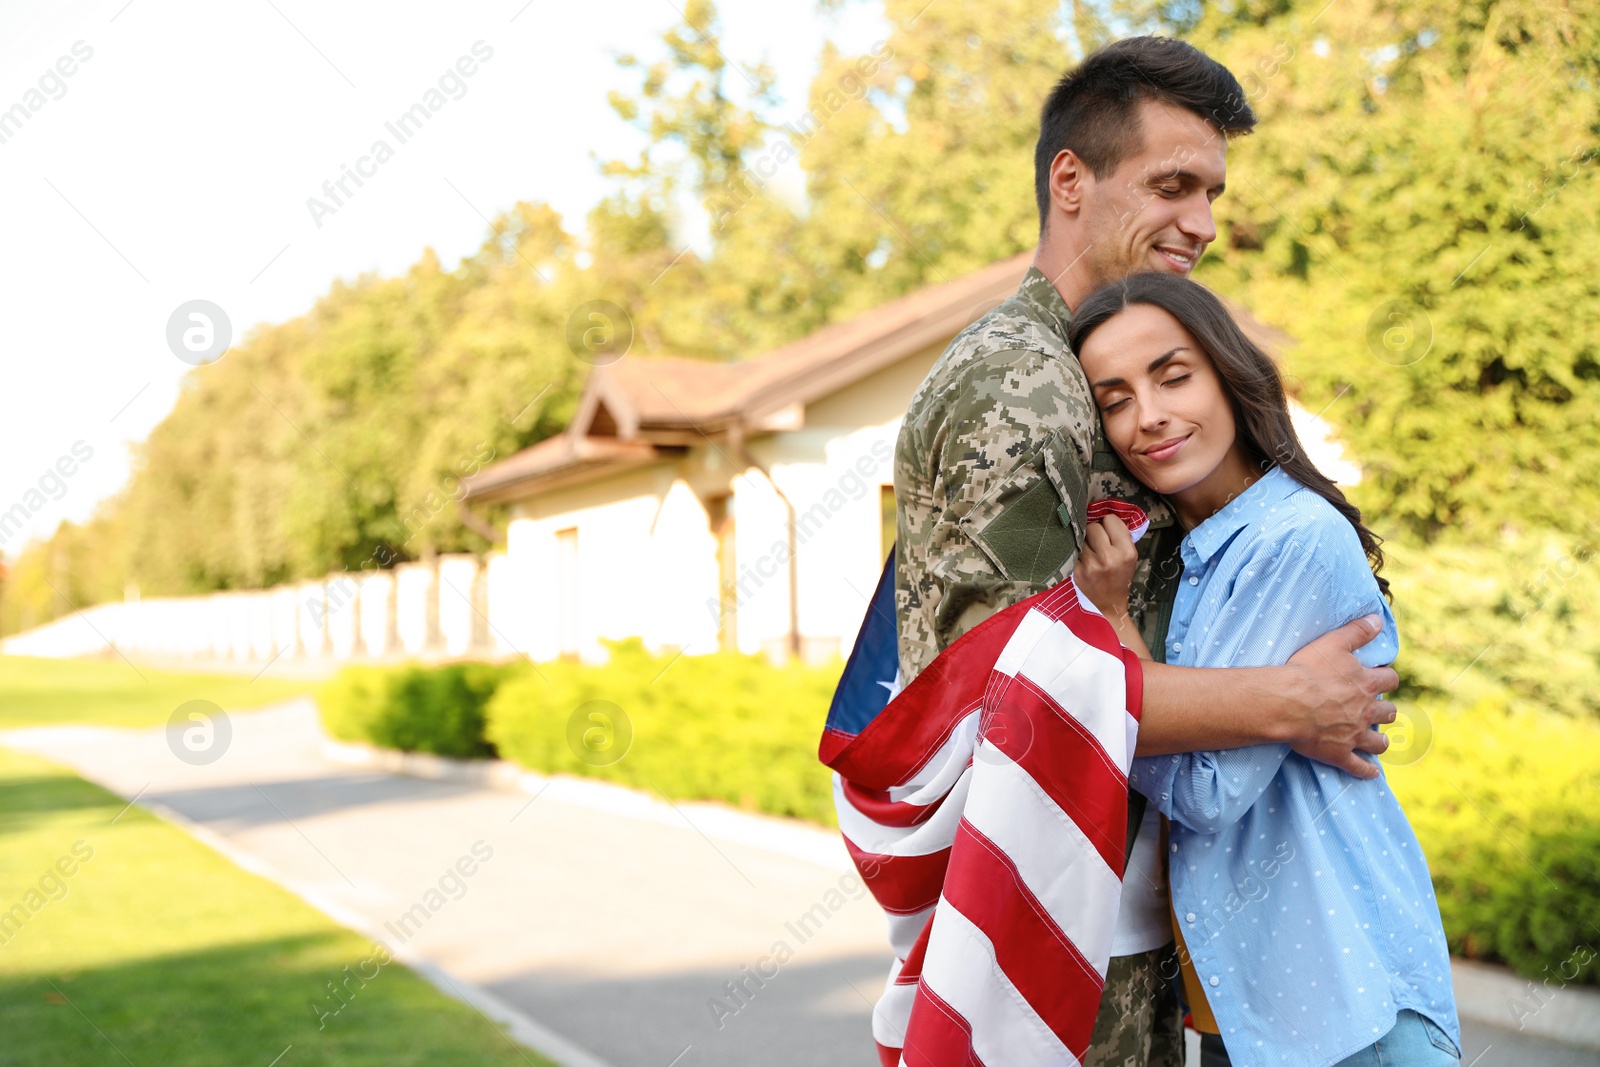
{"x":1165,"y":409}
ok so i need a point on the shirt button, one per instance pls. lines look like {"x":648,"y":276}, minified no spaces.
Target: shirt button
{"x":1215,"y":980}
{"x":1193,"y":580}
{"x":1174,"y":846}
{"x":1189,"y":918}
{"x":1177,"y":646}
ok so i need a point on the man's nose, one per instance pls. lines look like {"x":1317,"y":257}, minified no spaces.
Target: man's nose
{"x":1196,"y":222}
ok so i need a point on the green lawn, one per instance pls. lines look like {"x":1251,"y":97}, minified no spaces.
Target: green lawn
{"x":155,"y":950}
{"x":38,"y":692}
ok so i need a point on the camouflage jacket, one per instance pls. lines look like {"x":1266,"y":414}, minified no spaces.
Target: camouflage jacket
{"x":999,"y":455}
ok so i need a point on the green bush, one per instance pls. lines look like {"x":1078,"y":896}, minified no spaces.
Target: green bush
{"x":1506,"y":804}
{"x":1517,"y":622}
{"x":1504,"y":796}
{"x":1550,"y":924}
{"x":716,"y":727}
{"x":413,"y":708}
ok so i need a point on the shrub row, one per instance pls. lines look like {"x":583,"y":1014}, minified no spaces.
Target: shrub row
{"x":1506,"y":804}
{"x":413,"y":708}
{"x":720,"y":727}
{"x":723,"y":727}
{"x":1505,"y":798}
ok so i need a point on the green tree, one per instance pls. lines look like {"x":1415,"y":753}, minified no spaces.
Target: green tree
{"x":1416,"y":207}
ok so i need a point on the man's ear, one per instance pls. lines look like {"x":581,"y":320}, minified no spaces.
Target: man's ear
{"x":1068,"y":176}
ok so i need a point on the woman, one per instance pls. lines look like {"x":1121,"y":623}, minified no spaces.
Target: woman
{"x":1301,"y":898}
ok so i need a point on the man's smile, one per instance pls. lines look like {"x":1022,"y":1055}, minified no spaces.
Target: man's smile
{"x":1181,"y":259}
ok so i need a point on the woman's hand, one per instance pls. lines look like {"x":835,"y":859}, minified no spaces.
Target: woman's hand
{"x":1105,"y":567}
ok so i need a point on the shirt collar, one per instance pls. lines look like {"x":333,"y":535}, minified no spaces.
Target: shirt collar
{"x":1209,"y":538}
{"x":1037,"y":291}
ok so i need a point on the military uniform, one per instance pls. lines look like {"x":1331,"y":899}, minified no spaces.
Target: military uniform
{"x":999,"y":455}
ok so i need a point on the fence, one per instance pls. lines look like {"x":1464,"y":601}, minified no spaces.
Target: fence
{"x":454,"y":606}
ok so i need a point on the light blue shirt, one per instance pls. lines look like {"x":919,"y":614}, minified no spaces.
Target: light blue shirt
{"x":1302,"y":893}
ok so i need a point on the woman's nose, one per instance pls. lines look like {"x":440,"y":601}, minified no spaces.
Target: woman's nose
{"x":1151,"y":417}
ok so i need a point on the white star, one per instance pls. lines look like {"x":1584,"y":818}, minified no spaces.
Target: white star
{"x":894,"y":686}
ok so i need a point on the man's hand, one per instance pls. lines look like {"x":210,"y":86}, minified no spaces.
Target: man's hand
{"x":1338,"y":699}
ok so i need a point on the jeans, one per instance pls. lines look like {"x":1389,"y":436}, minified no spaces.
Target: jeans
{"x":1415,"y":1041}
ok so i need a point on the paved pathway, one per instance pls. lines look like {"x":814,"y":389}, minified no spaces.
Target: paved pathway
{"x":618,"y":930}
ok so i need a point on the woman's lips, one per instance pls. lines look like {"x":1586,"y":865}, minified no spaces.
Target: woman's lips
{"x":1166,"y":449}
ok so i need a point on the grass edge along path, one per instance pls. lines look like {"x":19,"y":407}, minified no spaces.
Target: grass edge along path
{"x":112,"y":692}
{"x":137,"y":944}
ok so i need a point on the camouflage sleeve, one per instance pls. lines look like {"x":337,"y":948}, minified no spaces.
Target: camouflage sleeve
{"x":1008,"y":468}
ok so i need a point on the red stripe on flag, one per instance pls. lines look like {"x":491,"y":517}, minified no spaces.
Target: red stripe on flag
{"x":911,"y":969}
{"x":1038,"y":958}
{"x":901,"y":884}
{"x":917,"y":722}
{"x":938,"y":1036}
{"x":876,"y":805}
{"x":1066,"y":761}
{"x":833,"y":742}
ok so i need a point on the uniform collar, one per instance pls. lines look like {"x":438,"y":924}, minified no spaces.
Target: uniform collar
{"x":1211,"y":536}
{"x":1037,"y":292}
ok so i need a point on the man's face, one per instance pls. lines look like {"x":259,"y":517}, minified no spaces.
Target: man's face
{"x":1154,"y":211}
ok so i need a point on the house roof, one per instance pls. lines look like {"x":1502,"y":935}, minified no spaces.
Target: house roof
{"x":644,"y":408}
{"x":556,"y":461}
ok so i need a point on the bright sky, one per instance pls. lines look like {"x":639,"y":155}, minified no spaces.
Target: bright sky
{"x":174,"y":164}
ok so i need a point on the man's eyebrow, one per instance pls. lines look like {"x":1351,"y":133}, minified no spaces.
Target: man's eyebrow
{"x":1187,"y":176}
{"x":1155,"y":365}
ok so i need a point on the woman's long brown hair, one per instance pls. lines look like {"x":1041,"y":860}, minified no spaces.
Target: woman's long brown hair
{"x":1251,"y":378}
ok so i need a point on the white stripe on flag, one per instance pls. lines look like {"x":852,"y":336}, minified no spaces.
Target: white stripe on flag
{"x":1028,"y":632}
{"x":923,"y":839}
{"x":961,"y":969}
{"x":935,"y":776}
{"x":893,"y":1010}
{"x":903,"y":930}
{"x":1056,"y":860}
{"x":1086,"y":683}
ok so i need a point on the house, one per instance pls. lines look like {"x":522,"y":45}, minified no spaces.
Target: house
{"x":695,"y":505}
{"x":743,"y":505}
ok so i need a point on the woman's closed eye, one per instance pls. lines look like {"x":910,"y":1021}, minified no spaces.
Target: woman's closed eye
{"x":1177,"y":379}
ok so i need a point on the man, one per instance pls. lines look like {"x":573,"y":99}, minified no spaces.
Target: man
{"x":1001,"y":452}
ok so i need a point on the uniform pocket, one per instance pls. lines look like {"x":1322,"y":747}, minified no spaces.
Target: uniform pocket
{"x":1025,"y":528}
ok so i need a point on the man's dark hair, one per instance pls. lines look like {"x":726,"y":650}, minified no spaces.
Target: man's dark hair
{"x":1094,"y":110}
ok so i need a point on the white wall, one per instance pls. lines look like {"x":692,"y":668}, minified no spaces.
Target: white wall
{"x":347,"y":616}
{"x":458,"y":611}
{"x":645,"y":567}
{"x":376,"y":606}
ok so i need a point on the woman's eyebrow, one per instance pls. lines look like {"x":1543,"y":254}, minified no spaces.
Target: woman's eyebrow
{"x":1155,"y":365}
{"x":1161,"y":360}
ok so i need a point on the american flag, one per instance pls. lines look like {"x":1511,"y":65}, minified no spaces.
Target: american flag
{"x":986,"y":809}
